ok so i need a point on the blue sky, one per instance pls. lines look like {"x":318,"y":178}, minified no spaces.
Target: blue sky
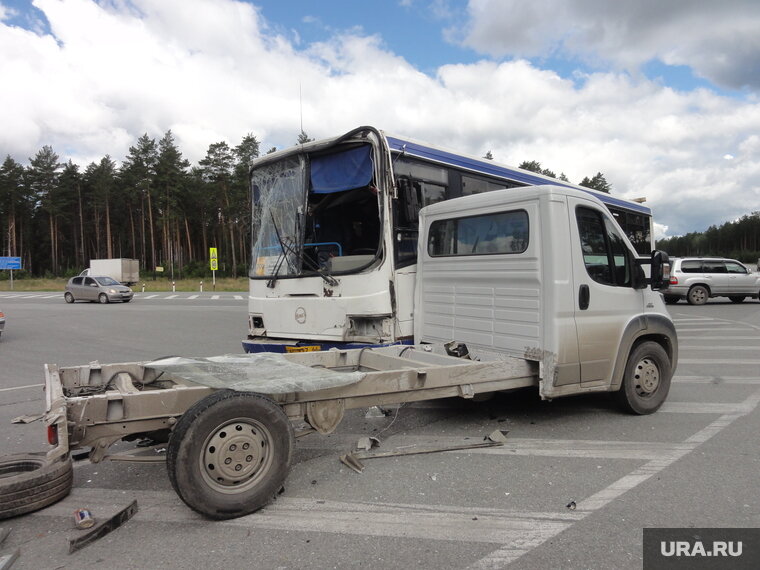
{"x":662,"y":97}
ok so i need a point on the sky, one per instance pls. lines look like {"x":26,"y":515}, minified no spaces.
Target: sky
{"x":663,"y":98}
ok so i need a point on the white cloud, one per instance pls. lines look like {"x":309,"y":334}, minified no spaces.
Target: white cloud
{"x":718,"y":40}
{"x":214,"y":70}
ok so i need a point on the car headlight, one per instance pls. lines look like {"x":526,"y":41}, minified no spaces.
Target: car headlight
{"x":112,"y":291}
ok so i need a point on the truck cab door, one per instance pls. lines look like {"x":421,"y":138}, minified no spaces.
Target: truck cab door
{"x":605,"y":299}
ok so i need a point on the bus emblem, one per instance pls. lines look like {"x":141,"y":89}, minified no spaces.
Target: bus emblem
{"x":300,"y":315}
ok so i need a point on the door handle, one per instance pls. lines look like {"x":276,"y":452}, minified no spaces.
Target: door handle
{"x":584,"y":296}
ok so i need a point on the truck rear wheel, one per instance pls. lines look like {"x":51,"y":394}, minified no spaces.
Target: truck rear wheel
{"x":29,"y":482}
{"x":230,"y":453}
{"x":646,"y":381}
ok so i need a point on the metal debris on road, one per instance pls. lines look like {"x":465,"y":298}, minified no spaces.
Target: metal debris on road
{"x":104,"y":528}
{"x":353,"y":460}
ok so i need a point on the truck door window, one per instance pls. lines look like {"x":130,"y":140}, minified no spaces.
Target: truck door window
{"x":498,"y":233}
{"x":605,"y":254}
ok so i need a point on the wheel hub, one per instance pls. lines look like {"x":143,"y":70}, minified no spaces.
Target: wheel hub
{"x":235,"y":453}
{"x":647,"y":377}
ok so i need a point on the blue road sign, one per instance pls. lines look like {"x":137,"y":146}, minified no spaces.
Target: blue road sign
{"x":10,"y":263}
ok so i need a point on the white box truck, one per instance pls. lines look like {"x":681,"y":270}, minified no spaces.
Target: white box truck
{"x":532,"y":287}
{"x":125,"y":271}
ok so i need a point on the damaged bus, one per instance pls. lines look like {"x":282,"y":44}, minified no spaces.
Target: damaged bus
{"x":334,"y":235}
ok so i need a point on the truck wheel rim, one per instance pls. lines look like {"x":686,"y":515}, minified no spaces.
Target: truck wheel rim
{"x":237,"y":455}
{"x":647,"y":377}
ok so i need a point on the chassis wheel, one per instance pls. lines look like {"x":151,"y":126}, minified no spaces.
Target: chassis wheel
{"x":698,"y":295}
{"x":68,"y":297}
{"x":736,"y":299}
{"x":102,"y":298}
{"x":28,"y":482}
{"x":646,"y":380}
{"x":230,"y":453}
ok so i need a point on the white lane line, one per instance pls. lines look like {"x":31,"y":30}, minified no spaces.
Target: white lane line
{"x":724,"y":337}
{"x":506,"y":554}
{"x":214,"y":297}
{"x":52,"y":296}
{"x":149,"y":297}
{"x":193,"y":296}
{"x":722,"y":348}
{"x":238,"y":297}
{"x":713,"y":328}
{"x":716,"y":361}
{"x":717,"y":379}
{"x":171,"y":297}
{"x":21,"y":387}
{"x":524,"y":530}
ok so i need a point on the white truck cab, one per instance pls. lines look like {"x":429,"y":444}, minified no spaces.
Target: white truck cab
{"x":545,"y":273}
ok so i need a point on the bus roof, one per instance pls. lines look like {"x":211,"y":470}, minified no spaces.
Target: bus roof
{"x":491,"y":168}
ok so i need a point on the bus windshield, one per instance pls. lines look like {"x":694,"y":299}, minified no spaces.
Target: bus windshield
{"x":315,"y":214}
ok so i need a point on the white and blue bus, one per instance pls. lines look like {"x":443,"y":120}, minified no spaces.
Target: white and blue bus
{"x":334,"y":235}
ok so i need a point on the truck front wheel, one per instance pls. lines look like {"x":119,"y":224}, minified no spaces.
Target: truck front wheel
{"x":646,"y":381}
{"x":230,"y":453}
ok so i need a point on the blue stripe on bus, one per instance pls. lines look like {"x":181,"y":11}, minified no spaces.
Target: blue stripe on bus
{"x":490,"y":168}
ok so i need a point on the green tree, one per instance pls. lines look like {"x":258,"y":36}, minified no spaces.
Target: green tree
{"x":303,"y":138}
{"x":137,"y":176}
{"x":15,"y":209}
{"x":535,"y":166}
{"x":217,"y":170}
{"x":42,"y":180}
{"x":488,"y":155}
{"x":597,"y":182}
{"x":169,"y":184}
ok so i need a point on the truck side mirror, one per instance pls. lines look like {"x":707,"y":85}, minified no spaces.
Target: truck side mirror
{"x":660,"y":272}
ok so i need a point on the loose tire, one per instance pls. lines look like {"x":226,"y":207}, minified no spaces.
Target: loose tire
{"x":646,"y":380}
{"x":28,"y":482}
{"x":736,"y":299}
{"x":103,"y":298}
{"x":69,"y":297}
{"x":698,"y":295}
{"x":230,"y":453}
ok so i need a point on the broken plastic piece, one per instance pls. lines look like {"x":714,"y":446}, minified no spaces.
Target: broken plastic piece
{"x":103,"y":529}
{"x":571,"y":505}
{"x":26,"y":419}
{"x":367,"y":443}
{"x":7,"y":560}
{"x":497,"y":436}
{"x":375,"y":412}
{"x":351,"y":461}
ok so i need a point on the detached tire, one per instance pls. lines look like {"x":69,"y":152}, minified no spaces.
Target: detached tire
{"x":646,"y":381}
{"x":28,"y":482}
{"x":230,"y":453}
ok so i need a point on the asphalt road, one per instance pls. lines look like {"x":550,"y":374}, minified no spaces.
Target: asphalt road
{"x":695,"y":463}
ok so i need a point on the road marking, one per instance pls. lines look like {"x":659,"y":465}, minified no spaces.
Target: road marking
{"x":149,"y":297}
{"x":724,"y":337}
{"x":716,"y":361}
{"x":717,"y":379}
{"x":723,"y":348}
{"x":193,"y":296}
{"x":507,"y":553}
{"x":171,"y":297}
{"x":525,"y":530}
{"x":21,"y":387}
{"x":52,"y":296}
{"x":238,"y":297}
{"x":214,"y":297}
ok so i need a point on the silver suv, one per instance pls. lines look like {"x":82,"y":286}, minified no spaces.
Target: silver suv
{"x":699,"y":278}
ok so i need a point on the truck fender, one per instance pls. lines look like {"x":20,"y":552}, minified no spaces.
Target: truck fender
{"x":654,"y":327}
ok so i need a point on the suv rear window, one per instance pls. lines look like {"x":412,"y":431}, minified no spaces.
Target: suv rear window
{"x":691,"y":266}
{"x":714,"y":267}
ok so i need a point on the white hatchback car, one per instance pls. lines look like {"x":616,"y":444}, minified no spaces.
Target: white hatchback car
{"x":699,"y":278}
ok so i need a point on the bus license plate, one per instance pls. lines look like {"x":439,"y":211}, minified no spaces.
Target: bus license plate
{"x":302,"y":349}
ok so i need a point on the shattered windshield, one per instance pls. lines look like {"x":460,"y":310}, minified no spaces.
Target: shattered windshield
{"x":316,"y":214}
{"x":279,"y":191}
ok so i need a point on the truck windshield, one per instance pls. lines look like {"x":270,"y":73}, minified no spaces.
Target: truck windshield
{"x":316,"y":214}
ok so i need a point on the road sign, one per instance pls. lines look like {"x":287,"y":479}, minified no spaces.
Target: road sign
{"x":213,"y":258}
{"x":10,"y":263}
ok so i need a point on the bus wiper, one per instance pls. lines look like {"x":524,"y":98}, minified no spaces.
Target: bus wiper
{"x":286,"y":248}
